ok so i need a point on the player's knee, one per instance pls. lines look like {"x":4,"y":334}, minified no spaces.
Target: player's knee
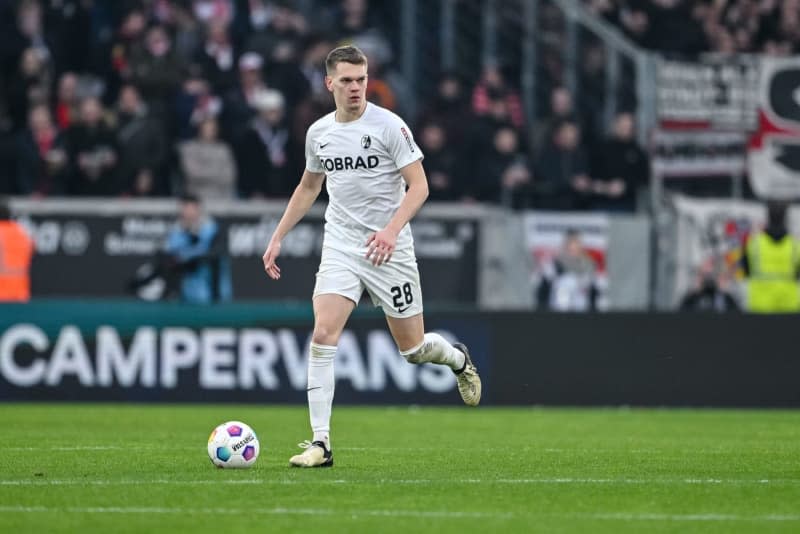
{"x":325,"y":336}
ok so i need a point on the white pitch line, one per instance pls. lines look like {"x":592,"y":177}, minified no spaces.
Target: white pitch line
{"x":98,"y":448}
{"x":158,"y":482}
{"x":693,"y":517}
{"x":262,"y":511}
{"x":505,"y":481}
{"x":591,"y":481}
{"x":432,"y":514}
{"x":201,"y":449}
{"x":139,"y":446}
{"x":621,"y":451}
{"x":67,"y":449}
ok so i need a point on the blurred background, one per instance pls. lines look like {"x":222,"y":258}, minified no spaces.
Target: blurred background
{"x":610,"y":212}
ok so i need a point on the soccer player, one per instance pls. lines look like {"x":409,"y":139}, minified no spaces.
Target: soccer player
{"x":376,"y":184}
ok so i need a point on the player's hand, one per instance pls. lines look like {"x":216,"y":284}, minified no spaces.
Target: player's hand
{"x":269,"y":257}
{"x":380,"y":246}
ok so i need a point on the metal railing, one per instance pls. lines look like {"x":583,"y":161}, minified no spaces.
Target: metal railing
{"x":578,"y":23}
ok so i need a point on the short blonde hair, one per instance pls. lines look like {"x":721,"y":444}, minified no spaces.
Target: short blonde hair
{"x":344,"y":54}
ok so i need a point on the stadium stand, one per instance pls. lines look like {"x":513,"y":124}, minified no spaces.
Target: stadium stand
{"x":120,"y":99}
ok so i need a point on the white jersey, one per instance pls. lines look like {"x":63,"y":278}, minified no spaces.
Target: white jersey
{"x":361,"y":160}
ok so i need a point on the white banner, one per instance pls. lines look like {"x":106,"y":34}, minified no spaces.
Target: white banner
{"x":774,"y":155}
{"x":719,"y":92}
{"x":698,"y":153}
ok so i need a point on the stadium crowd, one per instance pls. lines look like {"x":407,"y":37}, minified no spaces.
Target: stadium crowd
{"x":213,"y":97}
{"x":692,"y":27}
{"x":141,"y":98}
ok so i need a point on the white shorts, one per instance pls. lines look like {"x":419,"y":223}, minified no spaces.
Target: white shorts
{"x":394,"y":286}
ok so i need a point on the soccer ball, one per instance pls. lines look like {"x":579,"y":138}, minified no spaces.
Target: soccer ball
{"x":233,"y":444}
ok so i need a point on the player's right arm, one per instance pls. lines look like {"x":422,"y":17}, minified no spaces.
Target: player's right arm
{"x":300,"y":202}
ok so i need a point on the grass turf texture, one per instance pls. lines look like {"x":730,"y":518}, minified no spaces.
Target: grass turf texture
{"x":134,"y":468}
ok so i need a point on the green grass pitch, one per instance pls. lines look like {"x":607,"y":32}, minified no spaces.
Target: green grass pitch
{"x":139,"y":468}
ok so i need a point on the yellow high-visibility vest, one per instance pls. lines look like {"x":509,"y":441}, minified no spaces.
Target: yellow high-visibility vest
{"x":772,"y":285}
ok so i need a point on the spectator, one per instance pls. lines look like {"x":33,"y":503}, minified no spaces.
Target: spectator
{"x":312,"y":65}
{"x":217,"y":57}
{"x":188,"y":33}
{"x":592,"y":93}
{"x":493,"y":81}
{"x":260,"y":13}
{"x":194,"y":104}
{"x":503,"y":175}
{"x":710,"y":292}
{"x":266,"y":169}
{"x":449,"y":107}
{"x":209,"y":10}
{"x":195,"y":248}
{"x":789,"y":22}
{"x":29,"y":33}
{"x":286,"y":76}
{"x":561,"y":108}
{"x":16,"y":251}
{"x":684,"y":28}
{"x":67,"y":105}
{"x":238,"y":107}
{"x":570,"y":283}
{"x":157,"y":70}
{"x":284,"y":26}
{"x":142,"y":145}
{"x":8,"y":155}
{"x":561,"y":170}
{"x":620,"y":168}
{"x":353,"y":18}
{"x":68,"y":24}
{"x":440,"y":164}
{"x":92,"y":150}
{"x":771,"y":262}
{"x":116,"y":63}
{"x":671,"y":27}
{"x":42,"y":158}
{"x":207,"y":165}
{"x":30,"y":86}
{"x":480,"y":140}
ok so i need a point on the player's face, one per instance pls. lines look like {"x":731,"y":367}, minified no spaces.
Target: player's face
{"x":348,"y":83}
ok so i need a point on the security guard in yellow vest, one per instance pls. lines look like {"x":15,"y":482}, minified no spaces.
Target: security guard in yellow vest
{"x":771,"y":261}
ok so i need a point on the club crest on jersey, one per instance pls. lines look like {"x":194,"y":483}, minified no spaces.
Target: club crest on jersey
{"x":366,"y":141}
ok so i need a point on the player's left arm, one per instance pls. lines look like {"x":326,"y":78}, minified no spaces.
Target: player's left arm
{"x":381,"y":244}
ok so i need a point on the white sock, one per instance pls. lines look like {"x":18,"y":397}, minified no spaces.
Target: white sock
{"x":320,"y":391}
{"x":435,"y":349}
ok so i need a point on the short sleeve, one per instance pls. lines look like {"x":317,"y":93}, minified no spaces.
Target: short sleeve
{"x":313,"y":163}
{"x":400,"y":143}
